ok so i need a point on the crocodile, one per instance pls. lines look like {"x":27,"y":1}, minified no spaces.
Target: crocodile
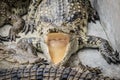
{"x":44,"y":71}
{"x":63,"y":31}
{"x":11,"y":12}
{"x":62,"y":28}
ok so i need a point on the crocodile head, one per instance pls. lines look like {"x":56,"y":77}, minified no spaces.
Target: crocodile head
{"x":58,"y":45}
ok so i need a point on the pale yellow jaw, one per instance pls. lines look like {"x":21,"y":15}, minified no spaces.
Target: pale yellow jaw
{"x":57,"y":44}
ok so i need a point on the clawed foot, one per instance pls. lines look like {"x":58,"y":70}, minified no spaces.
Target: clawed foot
{"x":93,"y":17}
{"x":112,"y":57}
{"x":27,"y":45}
{"x":29,"y":26}
{"x":13,"y":35}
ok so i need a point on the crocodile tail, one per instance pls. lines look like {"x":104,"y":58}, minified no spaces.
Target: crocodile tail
{"x":47,"y":72}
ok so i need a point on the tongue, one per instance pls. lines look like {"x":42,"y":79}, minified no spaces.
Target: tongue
{"x":57,"y":44}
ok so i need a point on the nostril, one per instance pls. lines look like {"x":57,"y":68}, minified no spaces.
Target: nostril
{"x":72,"y":31}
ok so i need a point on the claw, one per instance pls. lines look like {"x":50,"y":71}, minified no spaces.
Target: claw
{"x":12,"y":35}
{"x":107,"y":59}
{"x":27,"y":29}
{"x":117,"y":54}
{"x":30,"y":26}
{"x":32,"y":29}
{"x":96,"y":16}
{"x":23,"y":30}
{"x":113,"y":58}
{"x":5,"y":38}
{"x":93,"y":17}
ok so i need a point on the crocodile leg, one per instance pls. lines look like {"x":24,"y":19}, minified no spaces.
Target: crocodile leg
{"x":9,"y":17}
{"x":27,"y":44}
{"x":92,"y":13}
{"x":17,"y":25}
{"x":30,"y":22}
{"x":104,"y":47}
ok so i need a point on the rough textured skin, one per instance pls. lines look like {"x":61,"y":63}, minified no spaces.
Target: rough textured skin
{"x":10,"y":13}
{"x":62,"y":16}
{"x":70,"y":17}
{"x":48,"y":72}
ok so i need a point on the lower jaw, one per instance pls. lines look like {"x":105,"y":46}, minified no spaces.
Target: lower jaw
{"x":57,"y":45}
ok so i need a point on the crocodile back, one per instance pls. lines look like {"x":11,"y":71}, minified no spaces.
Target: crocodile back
{"x":59,"y":11}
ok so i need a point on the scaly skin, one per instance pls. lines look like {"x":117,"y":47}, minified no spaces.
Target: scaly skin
{"x":44,"y":71}
{"x":11,"y":12}
{"x":70,"y":17}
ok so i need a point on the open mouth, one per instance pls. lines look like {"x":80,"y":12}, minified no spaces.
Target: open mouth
{"x":57,"y":44}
